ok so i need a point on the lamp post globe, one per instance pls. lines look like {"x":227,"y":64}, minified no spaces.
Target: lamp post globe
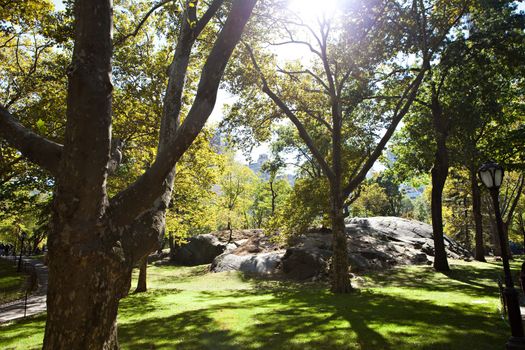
{"x":491,"y":174}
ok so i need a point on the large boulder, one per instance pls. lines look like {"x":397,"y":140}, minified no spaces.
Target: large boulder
{"x":259,"y":264}
{"x":302,"y":263}
{"x":373,"y":244}
{"x":201,"y":249}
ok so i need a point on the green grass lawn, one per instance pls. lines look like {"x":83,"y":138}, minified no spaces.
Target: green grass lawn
{"x":12,"y":283}
{"x":404,"y":308}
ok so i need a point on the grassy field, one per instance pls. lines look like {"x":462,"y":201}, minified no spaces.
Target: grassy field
{"x":404,"y":308}
{"x":11,"y":282}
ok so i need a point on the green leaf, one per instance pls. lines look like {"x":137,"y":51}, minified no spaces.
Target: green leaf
{"x":40,"y":125}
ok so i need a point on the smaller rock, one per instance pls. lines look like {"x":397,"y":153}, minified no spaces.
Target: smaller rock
{"x":201,"y":249}
{"x":260,"y":264}
{"x":419,"y":259}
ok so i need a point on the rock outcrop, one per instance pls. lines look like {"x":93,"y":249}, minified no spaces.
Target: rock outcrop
{"x":373,"y":243}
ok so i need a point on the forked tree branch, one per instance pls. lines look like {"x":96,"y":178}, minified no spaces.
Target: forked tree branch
{"x":303,"y":133}
{"x":138,"y":197}
{"x":402,"y":108}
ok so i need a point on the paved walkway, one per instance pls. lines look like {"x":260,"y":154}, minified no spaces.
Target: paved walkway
{"x":36,"y":302}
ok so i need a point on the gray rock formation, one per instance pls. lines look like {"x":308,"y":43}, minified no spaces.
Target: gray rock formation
{"x":373,"y":243}
{"x":201,"y":249}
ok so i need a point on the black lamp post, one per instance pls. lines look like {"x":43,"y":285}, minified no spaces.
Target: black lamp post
{"x":491,"y":174}
{"x":22,"y":237}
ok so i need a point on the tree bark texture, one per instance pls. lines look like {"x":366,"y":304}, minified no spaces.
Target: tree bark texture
{"x":479,"y":253}
{"x":87,"y":272}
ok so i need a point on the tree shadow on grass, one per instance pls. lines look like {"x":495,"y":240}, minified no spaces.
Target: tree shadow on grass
{"x":474,"y":282}
{"x":299,"y":318}
{"x":187,"y":330}
{"x":142,"y":303}
{"x":166,"y":274}
{"x":11,"y":333}
{"x":362,"y":315}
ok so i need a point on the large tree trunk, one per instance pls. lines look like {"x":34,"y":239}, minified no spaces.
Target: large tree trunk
{"x":439,"y":177}
{"x":83,"y":296}
{"x":141,"y":283}
{"x":87,"y":273}
{"x":94,"y":241}
{"x":479,"y":253}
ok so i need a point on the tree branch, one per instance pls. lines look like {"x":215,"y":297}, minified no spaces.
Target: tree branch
{"x":206,"y":17}
{"x":34,"y":147}
{"x":138,"y":197}
{"x":402,"y":108}
{"x":303,"y":133}
{"x":309,"y":72}
{"x":142,"y":21}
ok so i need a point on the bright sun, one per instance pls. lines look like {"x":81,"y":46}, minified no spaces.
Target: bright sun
{"x":311,"y":10}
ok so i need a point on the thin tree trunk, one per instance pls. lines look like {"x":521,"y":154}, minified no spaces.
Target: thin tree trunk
{"x":439,"y":177}
{"x":510,"y":212}
{"x":479,"y":253}
{"x":507,"y":242}
{"x":229,"y":228}
{"x":494,"y":233}
{"x":467,"y":228}
{"x":521,"y":223}
{"x":274,"y":196}
{"x":440,"y":254}
{"x":170,"y":243}
{"x":142,"y":281}
{"x":340,"y":278}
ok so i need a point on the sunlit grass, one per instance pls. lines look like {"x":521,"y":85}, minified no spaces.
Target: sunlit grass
{"x":404,"y":308}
